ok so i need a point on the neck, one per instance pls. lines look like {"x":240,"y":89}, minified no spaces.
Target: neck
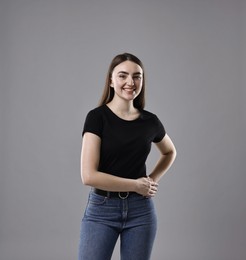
{"x":122,"y":106}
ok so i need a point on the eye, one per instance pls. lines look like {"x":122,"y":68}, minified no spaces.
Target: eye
{"x":122,"y":76}
{"x":138,"y":77}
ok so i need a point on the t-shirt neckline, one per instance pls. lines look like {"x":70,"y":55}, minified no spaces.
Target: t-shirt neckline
{"x":122,"y":119}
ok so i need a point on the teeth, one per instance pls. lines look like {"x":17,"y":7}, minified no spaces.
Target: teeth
{"x":129,"y":89}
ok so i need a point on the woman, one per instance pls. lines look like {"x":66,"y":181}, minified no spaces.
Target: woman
{"x":117,"y":138}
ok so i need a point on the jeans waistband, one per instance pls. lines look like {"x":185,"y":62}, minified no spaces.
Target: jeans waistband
{"x":109,"y":194}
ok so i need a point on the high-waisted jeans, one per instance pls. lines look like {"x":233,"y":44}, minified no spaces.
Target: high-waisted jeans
{"x":105,"y":219}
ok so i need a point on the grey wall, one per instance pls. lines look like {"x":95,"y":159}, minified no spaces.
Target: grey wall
{"x":54,"y":56}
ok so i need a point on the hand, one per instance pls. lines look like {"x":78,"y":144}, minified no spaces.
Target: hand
{"x":146,"y":187}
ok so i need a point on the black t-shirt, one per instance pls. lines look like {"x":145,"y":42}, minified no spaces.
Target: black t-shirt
{"x":125,"y":145}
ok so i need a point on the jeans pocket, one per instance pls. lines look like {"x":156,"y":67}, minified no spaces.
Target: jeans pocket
{"x":96,"y":208}
{"x":96,"y":199}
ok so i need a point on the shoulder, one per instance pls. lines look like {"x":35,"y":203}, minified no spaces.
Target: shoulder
{"x":96,"y":112}
{"x":94,"y":121}
{"x":147,"y":115}
{"x":95,"y":116}
{"x":152,"y":118}
{"x":156,"y":124}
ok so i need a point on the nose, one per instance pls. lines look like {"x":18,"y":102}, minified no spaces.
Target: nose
{"x":130,"y":81}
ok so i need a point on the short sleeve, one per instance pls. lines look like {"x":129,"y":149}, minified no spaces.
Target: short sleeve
{"x":93,"y":123}
{"x":160,"y":131}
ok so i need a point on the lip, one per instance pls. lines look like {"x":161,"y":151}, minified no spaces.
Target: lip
{"x":130,"y":89}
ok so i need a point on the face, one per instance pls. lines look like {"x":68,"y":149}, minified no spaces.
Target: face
{"x":127,"y":79}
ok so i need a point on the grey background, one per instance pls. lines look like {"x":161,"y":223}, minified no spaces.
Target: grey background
{"x":54,"y":57}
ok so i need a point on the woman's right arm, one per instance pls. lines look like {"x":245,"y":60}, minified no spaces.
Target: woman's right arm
{"x":90,"y":156}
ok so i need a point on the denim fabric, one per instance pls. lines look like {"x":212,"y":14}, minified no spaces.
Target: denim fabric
{"x":105,"y":219}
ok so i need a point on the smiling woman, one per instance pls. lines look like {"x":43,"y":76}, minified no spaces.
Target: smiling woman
{"x":126,"y":82}
{"x":117,"y":138}
{"x":108,"y":92}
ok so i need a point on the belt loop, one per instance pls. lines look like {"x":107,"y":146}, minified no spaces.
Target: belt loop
{"x":108,"y":194}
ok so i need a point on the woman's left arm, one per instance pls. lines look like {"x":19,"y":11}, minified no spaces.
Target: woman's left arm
{"x":168,"y":155}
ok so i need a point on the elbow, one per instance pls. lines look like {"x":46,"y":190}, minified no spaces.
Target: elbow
{"x":174,"y":153}
{"x":84,"y":181}
{"x":171,"y":154}
{"x":86,"y":178}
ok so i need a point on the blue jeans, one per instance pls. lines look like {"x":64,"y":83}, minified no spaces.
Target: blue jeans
{"x":105,"y":219}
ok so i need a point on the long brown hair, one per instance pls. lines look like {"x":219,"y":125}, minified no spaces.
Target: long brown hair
{"x":108,"y":92}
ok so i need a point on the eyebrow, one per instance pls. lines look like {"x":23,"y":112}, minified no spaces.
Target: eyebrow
{"x":124,"y":72}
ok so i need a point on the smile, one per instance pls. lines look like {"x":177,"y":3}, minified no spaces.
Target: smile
{"x":129,"y":89}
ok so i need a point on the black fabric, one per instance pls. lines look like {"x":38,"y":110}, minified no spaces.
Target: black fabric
{"x":125,"y":145}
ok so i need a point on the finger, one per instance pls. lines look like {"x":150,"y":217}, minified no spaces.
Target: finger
{"x":152,"y":190}
{"x":154,"y":184}
{"x":151,"y":194}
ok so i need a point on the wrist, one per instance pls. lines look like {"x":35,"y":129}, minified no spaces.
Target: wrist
{"x":136,"y":185}
{"x":152,"y":178}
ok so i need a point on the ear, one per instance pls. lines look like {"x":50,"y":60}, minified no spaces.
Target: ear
{"x":111,"y":84}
